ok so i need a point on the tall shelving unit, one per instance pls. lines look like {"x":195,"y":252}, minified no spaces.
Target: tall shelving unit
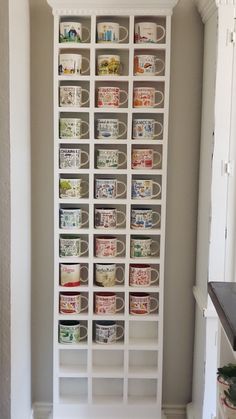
{"x":121,"y":379}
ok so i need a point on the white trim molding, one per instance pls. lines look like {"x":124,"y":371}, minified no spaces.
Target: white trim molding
{"x":42,"y":411}
{"x":206,"y":8}
{"x":190,"y":411}
{"x":204,"y":304}
{"x":174,"y":411}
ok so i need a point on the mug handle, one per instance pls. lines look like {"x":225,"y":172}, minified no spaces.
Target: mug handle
{"x":156,"y":304}
{"x":119,"y":281}
{"x":158,"y":189}
{"x":87,"y":69}
{"x":162,"y":68}
{"x":157,"y":276}
{"x":123,"y":221}
{"x":125,"y":129}
{"x":86,"y":332}
{"x":161,"y":130}
{"x":125,"y":158}
{"x":157,"y":220}
{"x":163,"y":33}
{"x":87,"y":125}
{"x":84,"y":193}
{"x":126,"y":97}
{"x":122,"y":247}
{"x":156,"y":153}
{"x":87,"y":218}
{"x":86,"y":299}
{"x":122,"y":28}
{"x":162,"y":98}
{"x":87,"y":155}
{"x":124,"y":191}
{"x":84,"y":267}
{"x":122,"y":305}
{"x":88,"y":32}
{"x":122,"y":332}
{"x":87,"y":100}
{"x":155,"y":243}
{"x":86,"y":248}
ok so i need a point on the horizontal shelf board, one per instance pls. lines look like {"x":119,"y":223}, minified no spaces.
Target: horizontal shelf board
{"x":74,"y":259}
{"x":109,"y":45}
{"x":146,"y":318}
{"x":111,"y":78}
{"x":80,"y":316}
{"x":72,"y":109}
{"x":152,"y":288}
{"x":73,"y":45}
{"x":114,"y":141}
{"x":110,"y":110}
{"x":73,"y":399}
{"x":79,"y":77}
{"x":149,"y":142}
{"x":116,"y":288}
{"x":145,"y":232}
{"x":115,"y":317}
{"x":111,"y":171}
{"x":74,"y":141}
{"x":108,"y":371}
{"x":74,"y":201}
{"x":149,"y":110}
{"x":141,"y":343}
{"x":146,"y":201}
{"x":106,"y":399}
{"x":73,"y":346}
{"x":142,"y":400}
{"x":155,"y":79}
{"x":73,"y":371}
{"x":143,"y":371}
{"x":109,"y":260}
{"x":74,"y":171}
{"x":81,"y":288}
{"x":110,"y":231}
{"x":118,"y":201}
{"x":108,"y":347}
{"x":73,"y":231}
{"x":146,"y":172}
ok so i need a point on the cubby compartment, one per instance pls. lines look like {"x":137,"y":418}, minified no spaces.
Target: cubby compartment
{"x":150,"y":34}
{"x":143,"y":303}
{"x":74,"y":126}
{"x":73,"y":216}
{"x":111,"y":365}
{"x":107,"y":390}
{"x":107,"y":217}
{"x":146,"y":157}
{"x":73,"y":245}
{"x":109,"y":34}
{"x":108,"y":303}
{"x":110,"y":156}
{"x":73,"y":303}
{"x":149,"y":63}
{"x":143,"y":217}
{"x":111,"y":94}
{"x":143,"y":335}
{"x":73,"y":186}
{"x":73,"y":362}
{"x":143,"y":276}
{"x":108,"y":334}
{"x":73,"y":157}
{"x":109,"y":275}
{"x":107,"y":246}
{"x":143,"y":364}
{"x":73,"y":61}
{"x":110,"y":187}
{"x":148,"y":95}
{"x":144,"y":246}
{"x":146,"y":187}
{"x":73,"y":390}
{"x":74,"y":29}
{"x":72,"y":333}
{"x":142,"y":391}
{"x":147,"y":127}
{"x":112,"y":62}
{"x":74,"y":94}
{"x":112,"y":126}
{"x":73,"y":275}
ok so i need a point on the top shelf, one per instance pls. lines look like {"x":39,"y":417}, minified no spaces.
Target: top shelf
{"x":105,"y":45}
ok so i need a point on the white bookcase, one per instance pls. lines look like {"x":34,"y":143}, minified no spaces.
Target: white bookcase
{"x":121,"y":379}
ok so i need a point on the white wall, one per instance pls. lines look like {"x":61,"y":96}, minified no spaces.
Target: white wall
{"x":185,"y":107}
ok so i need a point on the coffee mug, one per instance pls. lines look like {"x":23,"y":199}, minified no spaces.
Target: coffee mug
{"x":70,"y":303}
{"x":109,"y":97}
{"x":72,"y":218}
{"x":106,"y":218}
{"x":141,"y":276}
{"x":110,"y":128}
{"x":143,"y":218}
{"x":147,"y":32}
{"x":71,"y":64}
{"x":70,"y":274}
{"x":110,"y":32}
{"x":70,"y":332}
{"x":106,"y":303}
{"x":107,"y":247}
{"x":144,"y":129}
{"x":144,"y":97}
{"x":108,"y":188}
{"x":148,"y":65}
{"x":106,"y":332}
{"x":140,"y":303}
{"x":71,"y":96}
{"x":145,"y":158}
{"x":70,"y":158}
{"x":71,"y":246}
{"x":73,"y":32}
{"x":109,"y":159}
{"x":143,"y":189}
{"x":106,"y":274}
{"x":142,"y":247}
{"x":72,"y":188}
{"x":72,"y":128}
{"x":108,"y":65}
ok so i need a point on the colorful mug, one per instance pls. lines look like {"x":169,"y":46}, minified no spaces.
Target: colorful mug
{"x":141,"y":276}
{"x":110,"y":129}
{"x":110,"y":32}
{"x":71,"y":96}
{"x":72,"y":188}
{"x":108,"y":188}
{"x":108,"y":65}
{"x":144,"y":158}
{"x":72,"y":128}
{"x":106,"y":303}
{"x":148,"y":65}
{"x":72,"y":218}
{"x":109,"y":158}
{"x":71,"y":246}
{"x":109,"y":97}
{"x":143,"y":189}
{"x":140,"y":303}
{"x":142,"y":247}
{"x":106,"y":218}
{"x":70,"y":158}
{"x":73,"y":32}
{"x":71,"y":303}
{"x":144,"y":97}
{"x":106,"y":332}
{"x":142,"y":218}
{"x":144,"y":129}
{"x":106,"y":274}
{"x":107,"y":247}
{"x":70,"y":332}
{"x":71,"y":64}
{"x":147,"y":32}
{"x":70,"y":274}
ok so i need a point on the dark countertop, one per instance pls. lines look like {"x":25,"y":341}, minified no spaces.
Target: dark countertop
{"x":223,"y":295}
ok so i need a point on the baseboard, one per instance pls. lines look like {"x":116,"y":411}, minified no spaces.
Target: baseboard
{"x":174,"y":411}
{"x":42,"y":411}
{"x":190,"y":412}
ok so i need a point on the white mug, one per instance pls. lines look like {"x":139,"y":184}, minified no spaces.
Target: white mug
{"x":73,"y":218}
{"x":72,"y":188}
{"x":144,"y":97}
{"x":106,"y":332}
{"x":70,"y":332}
{"x":140,"y":303}
{"x":110,"y":128}
{"x":143,"y":218}
{"x":70,"y":158}
{"x":144,"y":129}
{"x":71,"y":64}
{"x":71,"y":246}
{"x":109,"y":97}
{"x":147,"y":32}
{"x":106,"y":274}
{"x":148,"y":65}
{"x":145,"y":158}
{"x":73,"y":32}
{"x":72,"y":128}
{"x":141,"y":275}
{"x":110,"y":32}
{"x":71,"y":96}
{"x":109,"y":159}
{"x":106,"y":218}
{"x":142,"y":247}
{"x":109,"y":65}
{"x":143,"y":189}
{"x":106,"y":303}
{"x":107,"y":247}
{"x":71,"y":303}
{"x":71,"y":274}
{"x":108,"y":188}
